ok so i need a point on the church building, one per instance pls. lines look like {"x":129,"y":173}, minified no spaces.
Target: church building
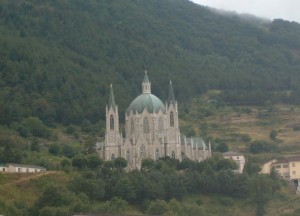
{"x":151,"y":131}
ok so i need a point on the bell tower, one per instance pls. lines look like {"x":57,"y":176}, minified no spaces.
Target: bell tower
{"x":173,"y":132}
{"x":112,"y":136}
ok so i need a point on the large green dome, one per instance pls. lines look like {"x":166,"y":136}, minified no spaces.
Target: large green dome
{"x":149,"y":101}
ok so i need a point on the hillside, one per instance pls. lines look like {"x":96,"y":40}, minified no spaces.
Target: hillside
{"x":241,"y":126}
{"x":115,"y":192}
{"x":57,"y":58}
{"x":236,"y":80}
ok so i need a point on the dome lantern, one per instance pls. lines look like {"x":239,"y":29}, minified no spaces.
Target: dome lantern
{"x":146,"y":85}
{"x":146,"y":100}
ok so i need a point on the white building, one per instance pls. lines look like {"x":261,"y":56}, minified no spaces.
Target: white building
{"x":21,"y":168}
{"x":151,"y":131}
{"x":237,"y":157}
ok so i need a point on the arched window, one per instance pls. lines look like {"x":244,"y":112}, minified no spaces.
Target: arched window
{"x":160,"y":125}
{"x":111,"y":122}
{"x":146,"y":125}
{"x":157,"y":155}
{"x":171,"y":119}
{"x":112,"y":156}
{"x":173,"y":155}
{"x":132,"y":127}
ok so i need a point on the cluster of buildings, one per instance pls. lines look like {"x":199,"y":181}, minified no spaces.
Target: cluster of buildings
{"x":152,"y":131}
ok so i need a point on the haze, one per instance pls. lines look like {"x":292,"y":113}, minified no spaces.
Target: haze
{"x":271,"y":9}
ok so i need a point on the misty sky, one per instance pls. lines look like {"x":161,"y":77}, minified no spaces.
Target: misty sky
{"x":284,"y":9}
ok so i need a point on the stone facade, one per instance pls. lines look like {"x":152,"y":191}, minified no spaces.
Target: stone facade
{"x":151,"y":131}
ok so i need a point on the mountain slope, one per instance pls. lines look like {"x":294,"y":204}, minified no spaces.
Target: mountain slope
{"x":57,"y":58}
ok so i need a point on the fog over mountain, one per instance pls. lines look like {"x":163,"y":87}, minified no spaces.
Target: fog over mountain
{"x":271,"y":9}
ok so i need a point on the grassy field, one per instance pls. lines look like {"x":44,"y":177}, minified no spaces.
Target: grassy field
{"x":239,"y":126}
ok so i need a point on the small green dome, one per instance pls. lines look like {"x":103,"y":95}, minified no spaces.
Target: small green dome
{"x":148,"y":101}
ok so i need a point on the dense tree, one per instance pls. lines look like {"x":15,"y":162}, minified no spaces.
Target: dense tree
{"x":10,"y":155}
{"x":65,"y":79}
{"x":124,"y":189}
{"x":79,"y":161}
{"x":53,"y":196}
{"x":93,"y":161}
{"x":222,"y":147}
{"x":157,"y":207}
{"x":114,"y":206}
{"x":120,"y":163}
{"x":260,"y":188}
{"x":55,"y":149}
{"x":262,"y":146}
{"x":93,"y":188}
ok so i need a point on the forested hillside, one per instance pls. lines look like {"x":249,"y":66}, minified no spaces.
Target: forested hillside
{"x":57,"y":58}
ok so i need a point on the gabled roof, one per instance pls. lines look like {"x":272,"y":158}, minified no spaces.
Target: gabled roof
{"x":286,"y":160}
{"x":294,"y":159}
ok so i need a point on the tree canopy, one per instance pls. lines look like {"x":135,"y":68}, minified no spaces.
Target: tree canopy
{"x":58,"y":57}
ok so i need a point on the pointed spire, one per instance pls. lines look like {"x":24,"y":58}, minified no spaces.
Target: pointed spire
{"x":111,"y":102}
{"x":171,"y":99}
{"x":146,"y":79}
{"x":146,"y":85}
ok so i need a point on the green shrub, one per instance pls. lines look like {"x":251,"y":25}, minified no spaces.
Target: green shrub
{"x":226,"y":201}
{"x":115,"y":206}
{"x":273,"y":134}
{"x":157,"y":207}
{"x":262,"y":146}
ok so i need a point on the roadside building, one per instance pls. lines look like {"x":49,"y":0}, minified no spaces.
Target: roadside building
{"x":21,"y":168}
